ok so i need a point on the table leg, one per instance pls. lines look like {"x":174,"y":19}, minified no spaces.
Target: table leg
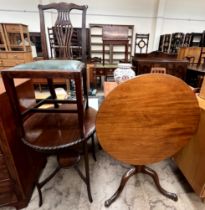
{"x":133,"y":171}
{"x":153,"y":174}
{"x":124,"y":179}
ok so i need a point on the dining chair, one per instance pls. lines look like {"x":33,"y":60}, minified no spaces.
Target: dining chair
{"x":190,"y":59}
{"x":55,"y":126}
{"x":201,"y":56}
{"x":62,"y":29}
{"x":60,"y":35}
{"x":160,"y":70}
{"x":141,"y":43}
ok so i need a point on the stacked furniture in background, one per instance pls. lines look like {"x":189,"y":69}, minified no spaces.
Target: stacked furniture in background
{"x":170,"y":43}
{"x":96,"y":44}
{"x":195,"y":55}
{"x":113,"y":35}
{"x":196,"y":58}
{"x":14,"y":44}
{"x":110,"y":44}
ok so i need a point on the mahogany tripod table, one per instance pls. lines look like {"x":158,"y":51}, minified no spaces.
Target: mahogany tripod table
{"x":145,"y":120}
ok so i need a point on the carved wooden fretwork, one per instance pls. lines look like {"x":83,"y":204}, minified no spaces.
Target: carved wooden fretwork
{"x":63,"y":31}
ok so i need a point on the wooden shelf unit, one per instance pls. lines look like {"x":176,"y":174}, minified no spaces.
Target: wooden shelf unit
{"x":15,"y":46}
{"x":96,"y":44}
{"x":16,"y":37}
{"x":3,"y":45}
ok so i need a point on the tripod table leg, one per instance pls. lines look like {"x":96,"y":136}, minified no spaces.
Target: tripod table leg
{"x":124,"y":179}
{"x":153,"y":174}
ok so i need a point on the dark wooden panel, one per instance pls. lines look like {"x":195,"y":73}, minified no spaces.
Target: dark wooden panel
{"x":35,"y":38}
{"x":3,"y":169}
{"x":7,"y":193}
{"x":19,"y":167}
{"x":144,"y":62}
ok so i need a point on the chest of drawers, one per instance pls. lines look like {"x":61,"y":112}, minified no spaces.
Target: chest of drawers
{"x":9,"y":59}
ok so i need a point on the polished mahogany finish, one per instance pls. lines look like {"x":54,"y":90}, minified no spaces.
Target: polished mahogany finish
{"x":147,"y":119}
{"x":146,"y":110}
{"x":20,"y":166}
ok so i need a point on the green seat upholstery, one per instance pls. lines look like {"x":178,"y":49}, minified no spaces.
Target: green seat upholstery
{"x":73,"y":65}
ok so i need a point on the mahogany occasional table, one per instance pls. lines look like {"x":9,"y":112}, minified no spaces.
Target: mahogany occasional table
{"x":145,"y":120}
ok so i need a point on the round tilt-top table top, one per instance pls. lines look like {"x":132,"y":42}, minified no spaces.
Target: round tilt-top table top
{"x":147,"y":119}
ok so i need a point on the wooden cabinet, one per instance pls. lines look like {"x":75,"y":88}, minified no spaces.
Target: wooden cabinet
{"x":14,"y":44}
{"x":3,"y":45}
{"x":17,"y":37}
{"x":191,"y":159}
{"x":96,"y":44}
{"x":19,"y":166}
{"x":144,"y":62}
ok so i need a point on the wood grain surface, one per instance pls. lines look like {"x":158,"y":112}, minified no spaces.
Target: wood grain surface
{"x":147,"y":119}
{"x":108,"y":87}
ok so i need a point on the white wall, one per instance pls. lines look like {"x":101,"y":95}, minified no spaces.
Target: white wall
{"x":148,"y":16}
{"x":20,"y":11}
{"x":184,"y":16}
